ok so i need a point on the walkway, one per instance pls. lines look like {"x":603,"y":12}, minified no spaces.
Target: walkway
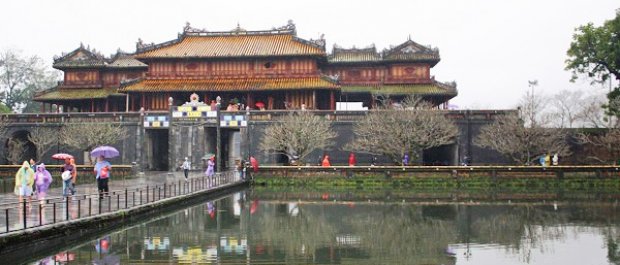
{"x":124,"y":194}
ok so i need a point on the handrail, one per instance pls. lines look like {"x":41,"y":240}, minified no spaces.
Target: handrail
{"x":16,"y":216}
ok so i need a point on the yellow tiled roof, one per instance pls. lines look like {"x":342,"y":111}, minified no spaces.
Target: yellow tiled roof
{"x":232,"y":46}
{"x":420,"y":89}
{"x":231,"y":84}
{"x":340,"y":55}
{"x":75,"y":94}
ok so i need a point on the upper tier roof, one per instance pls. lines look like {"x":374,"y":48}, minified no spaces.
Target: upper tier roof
{"x":80,"y":58}
{"x":408,"y":51}
{"x":196,"y":43}
{"x":86,"y":58}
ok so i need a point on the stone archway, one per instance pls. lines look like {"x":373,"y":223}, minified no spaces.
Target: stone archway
{"x":19,"y":148}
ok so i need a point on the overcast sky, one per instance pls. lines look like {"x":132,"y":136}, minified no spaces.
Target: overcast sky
{"x":490,"y":48}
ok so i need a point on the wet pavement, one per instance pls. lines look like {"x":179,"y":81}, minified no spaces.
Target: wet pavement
{"x":124,"y":193}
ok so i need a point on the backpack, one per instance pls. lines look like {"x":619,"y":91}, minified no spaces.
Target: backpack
{"x":104,"y":173}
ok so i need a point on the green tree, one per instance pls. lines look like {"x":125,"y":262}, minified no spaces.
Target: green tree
{"x":21,"y":77}
{"x":595,"y":53}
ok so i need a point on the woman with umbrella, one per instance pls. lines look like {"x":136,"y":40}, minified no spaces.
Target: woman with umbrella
{"x":103,"y":167}
{"x":67,"y":175}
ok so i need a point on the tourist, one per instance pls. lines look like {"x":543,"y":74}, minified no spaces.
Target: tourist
{"x":67,"y":176}
{"x":541,"y":160}
{"x":102,"y":169}
{"x":555,"y":159}
{"x":210,"y":172}
{"x":186,"y":166}
{"x":24,"y":179}
{"x":42,"y":181}
{"x":33,"y":165}
{"x":213,"y":105}
{"x":352,"y":160}
{"x":73,"y":174}
{"x":254,"y":163}
{"x":374,"y":161}
{"x":547,"y":160}
{"x":406,"y":160}
{"x":325,"y":162}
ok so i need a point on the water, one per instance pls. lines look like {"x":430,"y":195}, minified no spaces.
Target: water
{"x":279,"y":228}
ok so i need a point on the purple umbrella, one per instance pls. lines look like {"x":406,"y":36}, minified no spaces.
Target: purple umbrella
{"x":105,"y":151}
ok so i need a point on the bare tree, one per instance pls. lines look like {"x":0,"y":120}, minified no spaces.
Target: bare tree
{"x":15,"y":151}
{"x":508,"y":135}
{"x":44,"y":139}
{"x":566,"y":108}
{"x":86,"y":136}
{"x":298,"y":134}
{"x":408,"y":129}
{"x":607,"y":145}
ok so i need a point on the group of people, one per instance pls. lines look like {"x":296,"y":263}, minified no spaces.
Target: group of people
{"x":209,"y":171}
{"x":546,"y":160}
{"x":32,"y":178}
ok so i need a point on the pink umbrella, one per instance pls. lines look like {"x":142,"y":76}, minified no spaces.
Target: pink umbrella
{"x":61,"y":156}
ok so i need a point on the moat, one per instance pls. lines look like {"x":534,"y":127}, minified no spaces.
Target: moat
{"x":263,"y":226}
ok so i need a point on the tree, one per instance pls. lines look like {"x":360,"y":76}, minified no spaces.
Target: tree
{"x":44,"y":139}
{"x":607,"y":145}
{"x":298,"y":134}
{"x":21,"y":77}
{"x":15,"y":150}
{"x":409,"y":129}
{"x":595,"y":52}
{"x":508,"y":136}
{"x":86,"y":136}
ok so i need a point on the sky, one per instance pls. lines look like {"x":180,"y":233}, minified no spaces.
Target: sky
{"x":490,"y":48}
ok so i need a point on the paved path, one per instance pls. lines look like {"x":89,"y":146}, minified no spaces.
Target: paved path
{"x":86,"y":202}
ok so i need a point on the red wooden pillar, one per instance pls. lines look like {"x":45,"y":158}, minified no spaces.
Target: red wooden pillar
{"x":107,"y":105}
{"x":314,"y":106}
{"x":143,"y":101}
{"x":92,"y":105}
{"x":249,"y":100}
{"x":332,"y":100}
{"x":372,"y":101}
{"x":270,"y":102}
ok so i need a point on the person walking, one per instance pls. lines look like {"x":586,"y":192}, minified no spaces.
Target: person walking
{"x":352,"y":160}
{"x":186,"y":166}
{"x":325,"y":162}
{"x":67,"y":174}
{"x":406,"y":160}
{"x":24,"y":179}
{"x":42,"y":182}
{"x":555,"y":159}
{"x":102,"y":169}
{"x":210,"y":172}
{"x":73,"y":175}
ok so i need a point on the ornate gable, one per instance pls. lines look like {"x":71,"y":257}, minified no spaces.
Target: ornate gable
{"x":410,"y":51}
{"x":80,"y":58}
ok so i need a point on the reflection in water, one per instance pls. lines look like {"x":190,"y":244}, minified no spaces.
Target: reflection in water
{"x":239,"y":229}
